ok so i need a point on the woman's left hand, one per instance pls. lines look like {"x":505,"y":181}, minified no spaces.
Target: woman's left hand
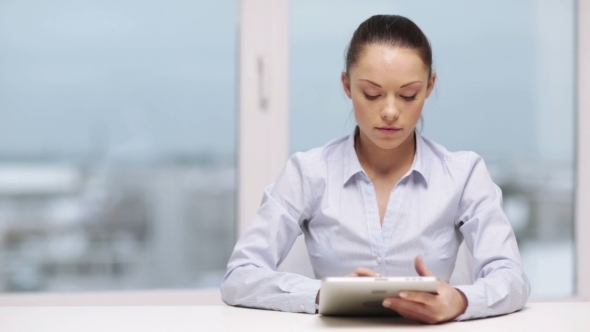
{"x":429,"y":308}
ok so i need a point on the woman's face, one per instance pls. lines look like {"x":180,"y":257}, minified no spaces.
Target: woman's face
{"x":388,"y":87}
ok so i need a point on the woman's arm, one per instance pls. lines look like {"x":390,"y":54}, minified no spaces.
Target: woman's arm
{"x":501,"y":285}
{"x":251,"y":279}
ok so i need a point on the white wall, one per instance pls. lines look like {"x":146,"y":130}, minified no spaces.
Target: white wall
{"x":554,"y":83}
{"x":583,"y":178}
{"x":263,"y":101}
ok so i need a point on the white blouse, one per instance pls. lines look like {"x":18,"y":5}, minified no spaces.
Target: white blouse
{"x":324,"y":194}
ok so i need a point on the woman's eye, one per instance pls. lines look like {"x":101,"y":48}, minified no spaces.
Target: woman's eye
{"x":409,"y":98}
{"x":370,"y":97}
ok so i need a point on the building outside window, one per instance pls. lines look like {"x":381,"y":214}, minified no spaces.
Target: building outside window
{"x":117,"y":144}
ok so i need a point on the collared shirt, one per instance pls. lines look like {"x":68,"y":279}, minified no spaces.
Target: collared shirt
{"x":445,"y":198}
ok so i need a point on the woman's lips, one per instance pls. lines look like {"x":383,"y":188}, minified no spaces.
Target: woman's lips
{"x":388,"y":130}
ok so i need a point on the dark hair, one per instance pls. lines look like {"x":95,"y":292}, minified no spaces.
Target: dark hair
{"x":391,"y":30}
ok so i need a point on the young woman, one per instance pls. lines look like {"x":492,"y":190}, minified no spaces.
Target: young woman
{"x":383,"y":201}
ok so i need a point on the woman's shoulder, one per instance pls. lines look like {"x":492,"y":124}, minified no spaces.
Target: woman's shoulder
{"x":334,"y":150}
{"x":320,"y":165}
{"x":440,"y":155}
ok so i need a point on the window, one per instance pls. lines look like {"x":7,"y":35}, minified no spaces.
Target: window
{"x":117,"y":166}
{"x":117,"y":144}
{"x":505,"y":90}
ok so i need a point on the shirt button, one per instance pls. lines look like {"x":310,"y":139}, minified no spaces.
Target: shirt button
{"x":302,"y":307}
{"x":379,"y":260}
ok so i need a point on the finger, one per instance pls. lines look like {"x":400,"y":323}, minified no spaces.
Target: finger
{"x":420,"y":297}
{"x":408,"y":314}
{"x":401,"y":304}
{"x":411,"y":315}
{"x":352,"y":275}
{"x":421,"y":267}
{"x":411,"y":310}
{"x":364,"y":272}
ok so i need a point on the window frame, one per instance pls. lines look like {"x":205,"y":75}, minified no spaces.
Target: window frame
{"x":263,"y":114}
{"x":582,"y":198}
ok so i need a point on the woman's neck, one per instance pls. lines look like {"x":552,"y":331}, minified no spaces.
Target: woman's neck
{"x":381,"y":162}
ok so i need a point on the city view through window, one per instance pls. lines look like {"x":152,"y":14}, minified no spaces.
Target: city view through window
{"x":117,"y":156}
{"x":118,"y":132}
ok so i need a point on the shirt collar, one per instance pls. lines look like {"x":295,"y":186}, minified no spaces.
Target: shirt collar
{"x":352,"y":166}
{"x":351,"y":160}
{"x":421,"y":159}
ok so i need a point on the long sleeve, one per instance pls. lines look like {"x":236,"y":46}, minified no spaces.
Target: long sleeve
{"x":251,"y":279}
{"x":501,"y":285}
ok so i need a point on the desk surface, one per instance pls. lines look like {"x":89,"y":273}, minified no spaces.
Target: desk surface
{"x":535,"y":317}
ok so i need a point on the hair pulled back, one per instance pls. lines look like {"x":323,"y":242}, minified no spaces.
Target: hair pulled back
{"x":390,"y":30}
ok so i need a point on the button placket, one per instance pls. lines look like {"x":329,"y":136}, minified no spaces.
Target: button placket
{"x":391,"y":221}
{"x":373,"y":224}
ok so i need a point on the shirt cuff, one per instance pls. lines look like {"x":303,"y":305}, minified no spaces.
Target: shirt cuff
{"x":303,"y":296}
{"x":476,"y":302}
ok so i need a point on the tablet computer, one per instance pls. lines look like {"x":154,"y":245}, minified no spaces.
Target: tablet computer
{"x":363,"y":296}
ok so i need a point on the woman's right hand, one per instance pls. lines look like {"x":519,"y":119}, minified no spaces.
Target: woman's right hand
{"x":359,"y":272}
{"x":364,"y":272}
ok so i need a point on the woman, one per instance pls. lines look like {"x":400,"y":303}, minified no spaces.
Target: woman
{"x":383,"y":201}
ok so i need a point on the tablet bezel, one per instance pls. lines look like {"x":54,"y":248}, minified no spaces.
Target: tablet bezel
{"x":362,"y":296}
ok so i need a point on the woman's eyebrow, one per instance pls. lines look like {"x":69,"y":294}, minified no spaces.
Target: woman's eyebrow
{"x":377,"y":85}
{"x":407,"y":84}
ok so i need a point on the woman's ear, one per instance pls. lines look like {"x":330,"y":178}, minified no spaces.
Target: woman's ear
{"x":346,"y":84}
{"x":430,"y":85}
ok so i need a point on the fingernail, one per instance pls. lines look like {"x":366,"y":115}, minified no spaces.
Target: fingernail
{"x":403,"y":295}
{"x":378,"y":275}
{"x":386,"y":303}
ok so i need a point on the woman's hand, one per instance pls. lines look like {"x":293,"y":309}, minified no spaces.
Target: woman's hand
{"x":429,"y":308}
{"x":364,"y":272}
{"x":359,"y":272}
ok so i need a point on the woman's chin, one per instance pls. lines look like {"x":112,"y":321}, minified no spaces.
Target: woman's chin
{"x":388,"y":145}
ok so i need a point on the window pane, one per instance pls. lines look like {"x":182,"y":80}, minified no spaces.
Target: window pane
{"x":116,"y":144}
{"x":504,"y":90}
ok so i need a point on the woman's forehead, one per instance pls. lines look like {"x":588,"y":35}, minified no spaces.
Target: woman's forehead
{"x":387,"y":63}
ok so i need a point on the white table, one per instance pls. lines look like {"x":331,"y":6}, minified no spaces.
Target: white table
{"x":565,"y":316}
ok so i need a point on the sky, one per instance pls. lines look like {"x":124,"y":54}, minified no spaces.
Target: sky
{"x":120,"y":78}
{"x":84,"y":77}
{"x":504,"y":73}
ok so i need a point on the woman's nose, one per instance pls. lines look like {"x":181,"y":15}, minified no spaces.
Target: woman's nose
{"x":390,"y":111}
